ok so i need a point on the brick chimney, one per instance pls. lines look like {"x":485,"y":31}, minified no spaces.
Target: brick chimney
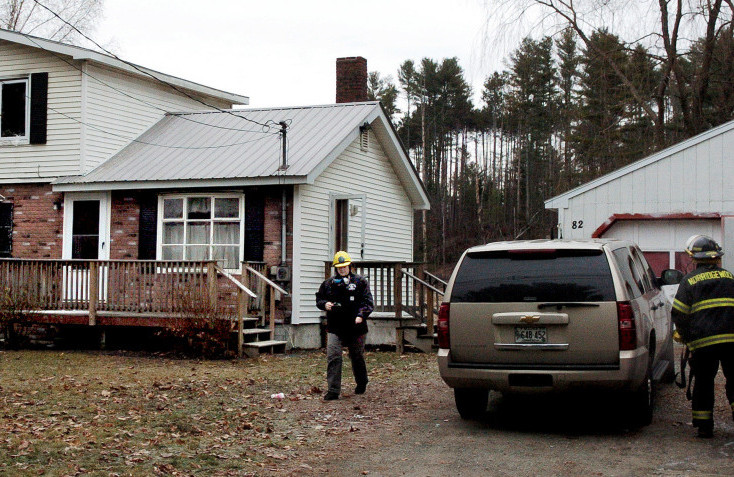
{"x":351,"y":79}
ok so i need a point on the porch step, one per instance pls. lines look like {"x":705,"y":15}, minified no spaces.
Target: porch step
{"x":417,"y":336}
{"x":257,"y":348}
{"x":254,"y":334}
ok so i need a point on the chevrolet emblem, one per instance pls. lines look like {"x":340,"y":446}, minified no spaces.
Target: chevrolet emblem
{"x":528,"y":319}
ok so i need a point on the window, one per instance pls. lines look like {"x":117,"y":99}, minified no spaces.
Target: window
{"x":542,"y":276}
{"x":341,"y":225}
{"x":632,"y":281}
{"x":14,"y":108}
{"x":202,"y":228}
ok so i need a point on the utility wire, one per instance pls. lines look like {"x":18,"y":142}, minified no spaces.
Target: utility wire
{"x":182,"y":116}
{"x":219,"y":146}
{"x":132,"y":65}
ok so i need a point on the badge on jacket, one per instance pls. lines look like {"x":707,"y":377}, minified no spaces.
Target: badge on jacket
{"x":352,"y":287}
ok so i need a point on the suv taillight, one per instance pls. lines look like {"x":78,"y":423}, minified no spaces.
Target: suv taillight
{"x":442,"y":327}
{"x":627,"y":329}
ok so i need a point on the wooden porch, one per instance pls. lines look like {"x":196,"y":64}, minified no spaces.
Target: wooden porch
{"x":143,"y":293}
{"x":406,"y":293}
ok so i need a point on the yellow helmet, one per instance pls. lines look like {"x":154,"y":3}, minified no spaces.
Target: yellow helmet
{"x":342,"y":259}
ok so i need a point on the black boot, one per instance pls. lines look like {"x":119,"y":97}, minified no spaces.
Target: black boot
{"x":330,"y":396}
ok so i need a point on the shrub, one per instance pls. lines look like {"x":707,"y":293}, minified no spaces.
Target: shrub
{"x":201,"y":326}
{"x":15,"y":311}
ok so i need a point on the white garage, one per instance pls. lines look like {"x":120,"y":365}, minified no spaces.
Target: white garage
{"x":660,"y":201}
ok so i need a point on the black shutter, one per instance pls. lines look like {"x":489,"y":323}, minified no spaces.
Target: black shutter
{"x":39,"y":110}
{"x":254,"y":227}
{"x":6,"y":229}
{"x":148,"y":226}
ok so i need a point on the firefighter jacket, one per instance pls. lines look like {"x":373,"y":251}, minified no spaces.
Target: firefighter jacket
{"x":703,"y":309}
{"x":352,"y":298}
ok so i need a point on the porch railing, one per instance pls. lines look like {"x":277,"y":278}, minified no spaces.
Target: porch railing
{"x":404,"y":289}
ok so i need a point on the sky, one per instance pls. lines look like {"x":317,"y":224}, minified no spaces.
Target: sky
{"x":283,"y":52}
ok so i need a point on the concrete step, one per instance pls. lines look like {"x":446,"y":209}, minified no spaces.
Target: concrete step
{"x":257,"y":348}
{"x":417,"y":336}
{"x":252,"y":335}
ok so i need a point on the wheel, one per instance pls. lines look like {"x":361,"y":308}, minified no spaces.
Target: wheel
{"x":471,"y":403}
{"x":642,"y":401}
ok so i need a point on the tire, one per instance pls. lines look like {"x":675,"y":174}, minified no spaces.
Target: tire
{"x":471,"y":403}
{"x":642,"y":400}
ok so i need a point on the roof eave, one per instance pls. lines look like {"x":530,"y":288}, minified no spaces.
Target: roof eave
{"x":177,"y":184}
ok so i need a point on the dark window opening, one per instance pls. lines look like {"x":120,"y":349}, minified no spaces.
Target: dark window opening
{"x":341,"y":225}
{"x":14,"y":106}
{"x":85,"y":230}
{"x":6,"y":229}
{"x":546,"y":276}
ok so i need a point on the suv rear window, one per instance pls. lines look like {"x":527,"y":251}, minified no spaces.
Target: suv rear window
{"x":534,"y":275}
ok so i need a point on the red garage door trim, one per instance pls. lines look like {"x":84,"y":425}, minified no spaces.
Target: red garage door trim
{"x":598,"y":233}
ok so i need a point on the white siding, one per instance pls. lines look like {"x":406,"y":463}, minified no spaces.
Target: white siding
{"x":60,"y":155}
{"x":693,"y":180}
{"x":117,"y":108}
{"x":121,"y":106}
{"x":388,"y":216}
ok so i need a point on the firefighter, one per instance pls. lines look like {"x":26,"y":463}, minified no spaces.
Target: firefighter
{"x":703,"y":313}
{"x":348,"y":302}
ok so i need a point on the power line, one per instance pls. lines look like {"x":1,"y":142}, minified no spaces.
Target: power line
{"x":219,"y":146}
{"x":132,"y":65}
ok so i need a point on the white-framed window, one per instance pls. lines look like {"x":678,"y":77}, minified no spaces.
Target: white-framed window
{"x":14,"y":109}
{"x":202,"y":227}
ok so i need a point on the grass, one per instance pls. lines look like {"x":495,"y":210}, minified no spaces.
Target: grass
{"x":95,"y":413}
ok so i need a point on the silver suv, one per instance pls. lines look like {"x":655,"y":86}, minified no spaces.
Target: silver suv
{"x":554,"y":315}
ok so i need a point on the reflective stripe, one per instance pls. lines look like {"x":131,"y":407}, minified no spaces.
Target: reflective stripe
{"x":703,"y":415}
{"x":682,"y":307}
{"x":711,"y":340}
{"x":713,"y":303}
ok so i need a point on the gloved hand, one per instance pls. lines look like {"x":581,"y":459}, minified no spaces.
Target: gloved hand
{"x":677,"y":337}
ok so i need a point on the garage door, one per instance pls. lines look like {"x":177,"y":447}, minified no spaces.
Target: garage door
{"x":663,"y":241}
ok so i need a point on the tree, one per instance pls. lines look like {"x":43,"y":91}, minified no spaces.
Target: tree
{"x":383,"y":90}
{"x":533,"y":104}
{"x":37,"y":17}
{"x":689,"y":89}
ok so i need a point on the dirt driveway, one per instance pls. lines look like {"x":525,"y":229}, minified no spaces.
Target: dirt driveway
{"x":416,"y":431}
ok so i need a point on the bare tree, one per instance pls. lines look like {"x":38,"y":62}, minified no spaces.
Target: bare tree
{"x":59,"y":20}
{"x":678,"y":21}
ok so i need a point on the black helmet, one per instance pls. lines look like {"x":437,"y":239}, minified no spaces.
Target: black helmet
{"x":701,"y":247}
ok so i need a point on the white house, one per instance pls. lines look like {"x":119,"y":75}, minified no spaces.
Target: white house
{"x":66,"y":110}
{"x":660,"y":201}
{"x":104,"y":160}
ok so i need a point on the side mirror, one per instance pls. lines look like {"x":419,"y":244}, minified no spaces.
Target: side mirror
{"x":670,"y":277}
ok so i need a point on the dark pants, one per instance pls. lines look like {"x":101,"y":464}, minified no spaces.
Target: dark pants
{"x":334,"y":347}
{"x":705,"y":365}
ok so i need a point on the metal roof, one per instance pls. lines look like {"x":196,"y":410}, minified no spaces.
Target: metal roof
{"x":225,"y":145}
{"x":244,"y":147}
{"x":79,"y":53}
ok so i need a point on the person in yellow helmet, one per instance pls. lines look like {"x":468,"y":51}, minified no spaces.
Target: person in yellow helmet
{"x":347,"y":300}
{"x":703,"y":313}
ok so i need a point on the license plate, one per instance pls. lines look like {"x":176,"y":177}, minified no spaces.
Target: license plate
{"x":531,"y":334}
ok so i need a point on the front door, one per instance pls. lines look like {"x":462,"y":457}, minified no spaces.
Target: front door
{"x":86,"y":237}
{"x":86,"y":226}
{"x":348,"y":225}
